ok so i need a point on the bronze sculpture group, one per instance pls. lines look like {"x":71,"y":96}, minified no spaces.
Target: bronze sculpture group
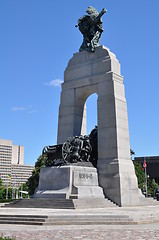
{"x":75,"y":149}
{"x":91,"y":27}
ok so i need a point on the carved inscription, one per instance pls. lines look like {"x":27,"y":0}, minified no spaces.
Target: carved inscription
{"x":85,"y":176}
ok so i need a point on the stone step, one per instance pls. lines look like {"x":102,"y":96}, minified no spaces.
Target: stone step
{"x":93,"y":203}
{"x":43,"y":200}
{"x":21,"y":222}
{"x":50,"y":194}
{"x":42,"y":203}
{"x":88,"y":220}
{"x":91,"y":223}
{"x":61,"y":203}
{"x":47,"y":207}
{"x":86,"y":216}
{"x":24,"y":216}
{"x":148,"y":201}
{"x":23,"y":219}
{"x":63,"y":219}
{"x":73,"y":196}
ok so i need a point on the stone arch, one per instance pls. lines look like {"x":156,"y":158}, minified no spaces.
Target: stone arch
{"x":99,"y":73}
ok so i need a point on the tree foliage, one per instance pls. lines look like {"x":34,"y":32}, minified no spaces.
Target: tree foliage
{"x":33,"y":180}
{"x":3,"y":190}
{"x":151,"y":184}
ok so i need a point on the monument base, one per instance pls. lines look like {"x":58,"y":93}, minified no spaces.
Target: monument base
{"x":68,"y":182}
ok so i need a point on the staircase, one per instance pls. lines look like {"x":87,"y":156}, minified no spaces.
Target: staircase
{"x":148,"y":201}
{"x":42,"y":203}
{"x":66,"y":219}
{"x":88,"y":219}
{"x":61,"y":203}
{"x":23,"y":219}
{"x":93,"y":203}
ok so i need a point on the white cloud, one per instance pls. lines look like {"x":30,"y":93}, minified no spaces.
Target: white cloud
{"x":18,"y":109}
{"x":32,"y":111}
{"x":54,"y":83}
{"x":28,"y":109}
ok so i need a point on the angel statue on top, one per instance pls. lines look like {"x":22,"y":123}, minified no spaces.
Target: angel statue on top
{"x":91,"y":27}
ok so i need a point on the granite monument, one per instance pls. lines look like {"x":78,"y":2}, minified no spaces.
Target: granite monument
{"x":94,"y":69}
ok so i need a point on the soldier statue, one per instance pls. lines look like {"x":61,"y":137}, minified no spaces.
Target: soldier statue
{"x":91,"y":27}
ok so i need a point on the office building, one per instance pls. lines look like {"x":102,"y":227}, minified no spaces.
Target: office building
{"x":13,"y":171}
{"x":20,"y":174}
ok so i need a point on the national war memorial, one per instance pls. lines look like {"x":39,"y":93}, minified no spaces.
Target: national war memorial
{"x":94,"y":69}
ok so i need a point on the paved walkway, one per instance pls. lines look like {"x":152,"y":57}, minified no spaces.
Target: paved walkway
{"x":107,"y":232}
{"x":86,"y":232}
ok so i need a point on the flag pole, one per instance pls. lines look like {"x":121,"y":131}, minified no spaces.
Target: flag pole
{"x":12,"y":191}
{"x":7,"y":191}
{"x":145,"y":176}
{"x":21,"y":186}
{"x":16,"y":184}
{"x":9,"y":176}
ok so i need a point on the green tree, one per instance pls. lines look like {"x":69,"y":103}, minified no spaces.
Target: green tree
{"x":140,"y":175}
{"x":25,"y":187}
{"x":0,"y":182}
{"x":151,"y":184}
{"x":33,"y":180}
{"x":2,"y":190}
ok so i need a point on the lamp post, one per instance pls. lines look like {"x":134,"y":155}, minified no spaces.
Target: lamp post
{"x":9,"y":177}
{"x":146,"y":179}
{"x":12,"y":190}
{"x":144,"y":168}
{"x":16,"y":186}
{"x":146,"y":176}
{"x":21,"y":196}
{"x":7,"y":191}
{"x":17,"y":193}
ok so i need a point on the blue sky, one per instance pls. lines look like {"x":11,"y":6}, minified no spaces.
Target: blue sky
{"x":38,"y":37}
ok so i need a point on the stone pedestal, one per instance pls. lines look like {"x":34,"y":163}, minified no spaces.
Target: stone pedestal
{"x":99,"y":72}
{"x":68,"y":182}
